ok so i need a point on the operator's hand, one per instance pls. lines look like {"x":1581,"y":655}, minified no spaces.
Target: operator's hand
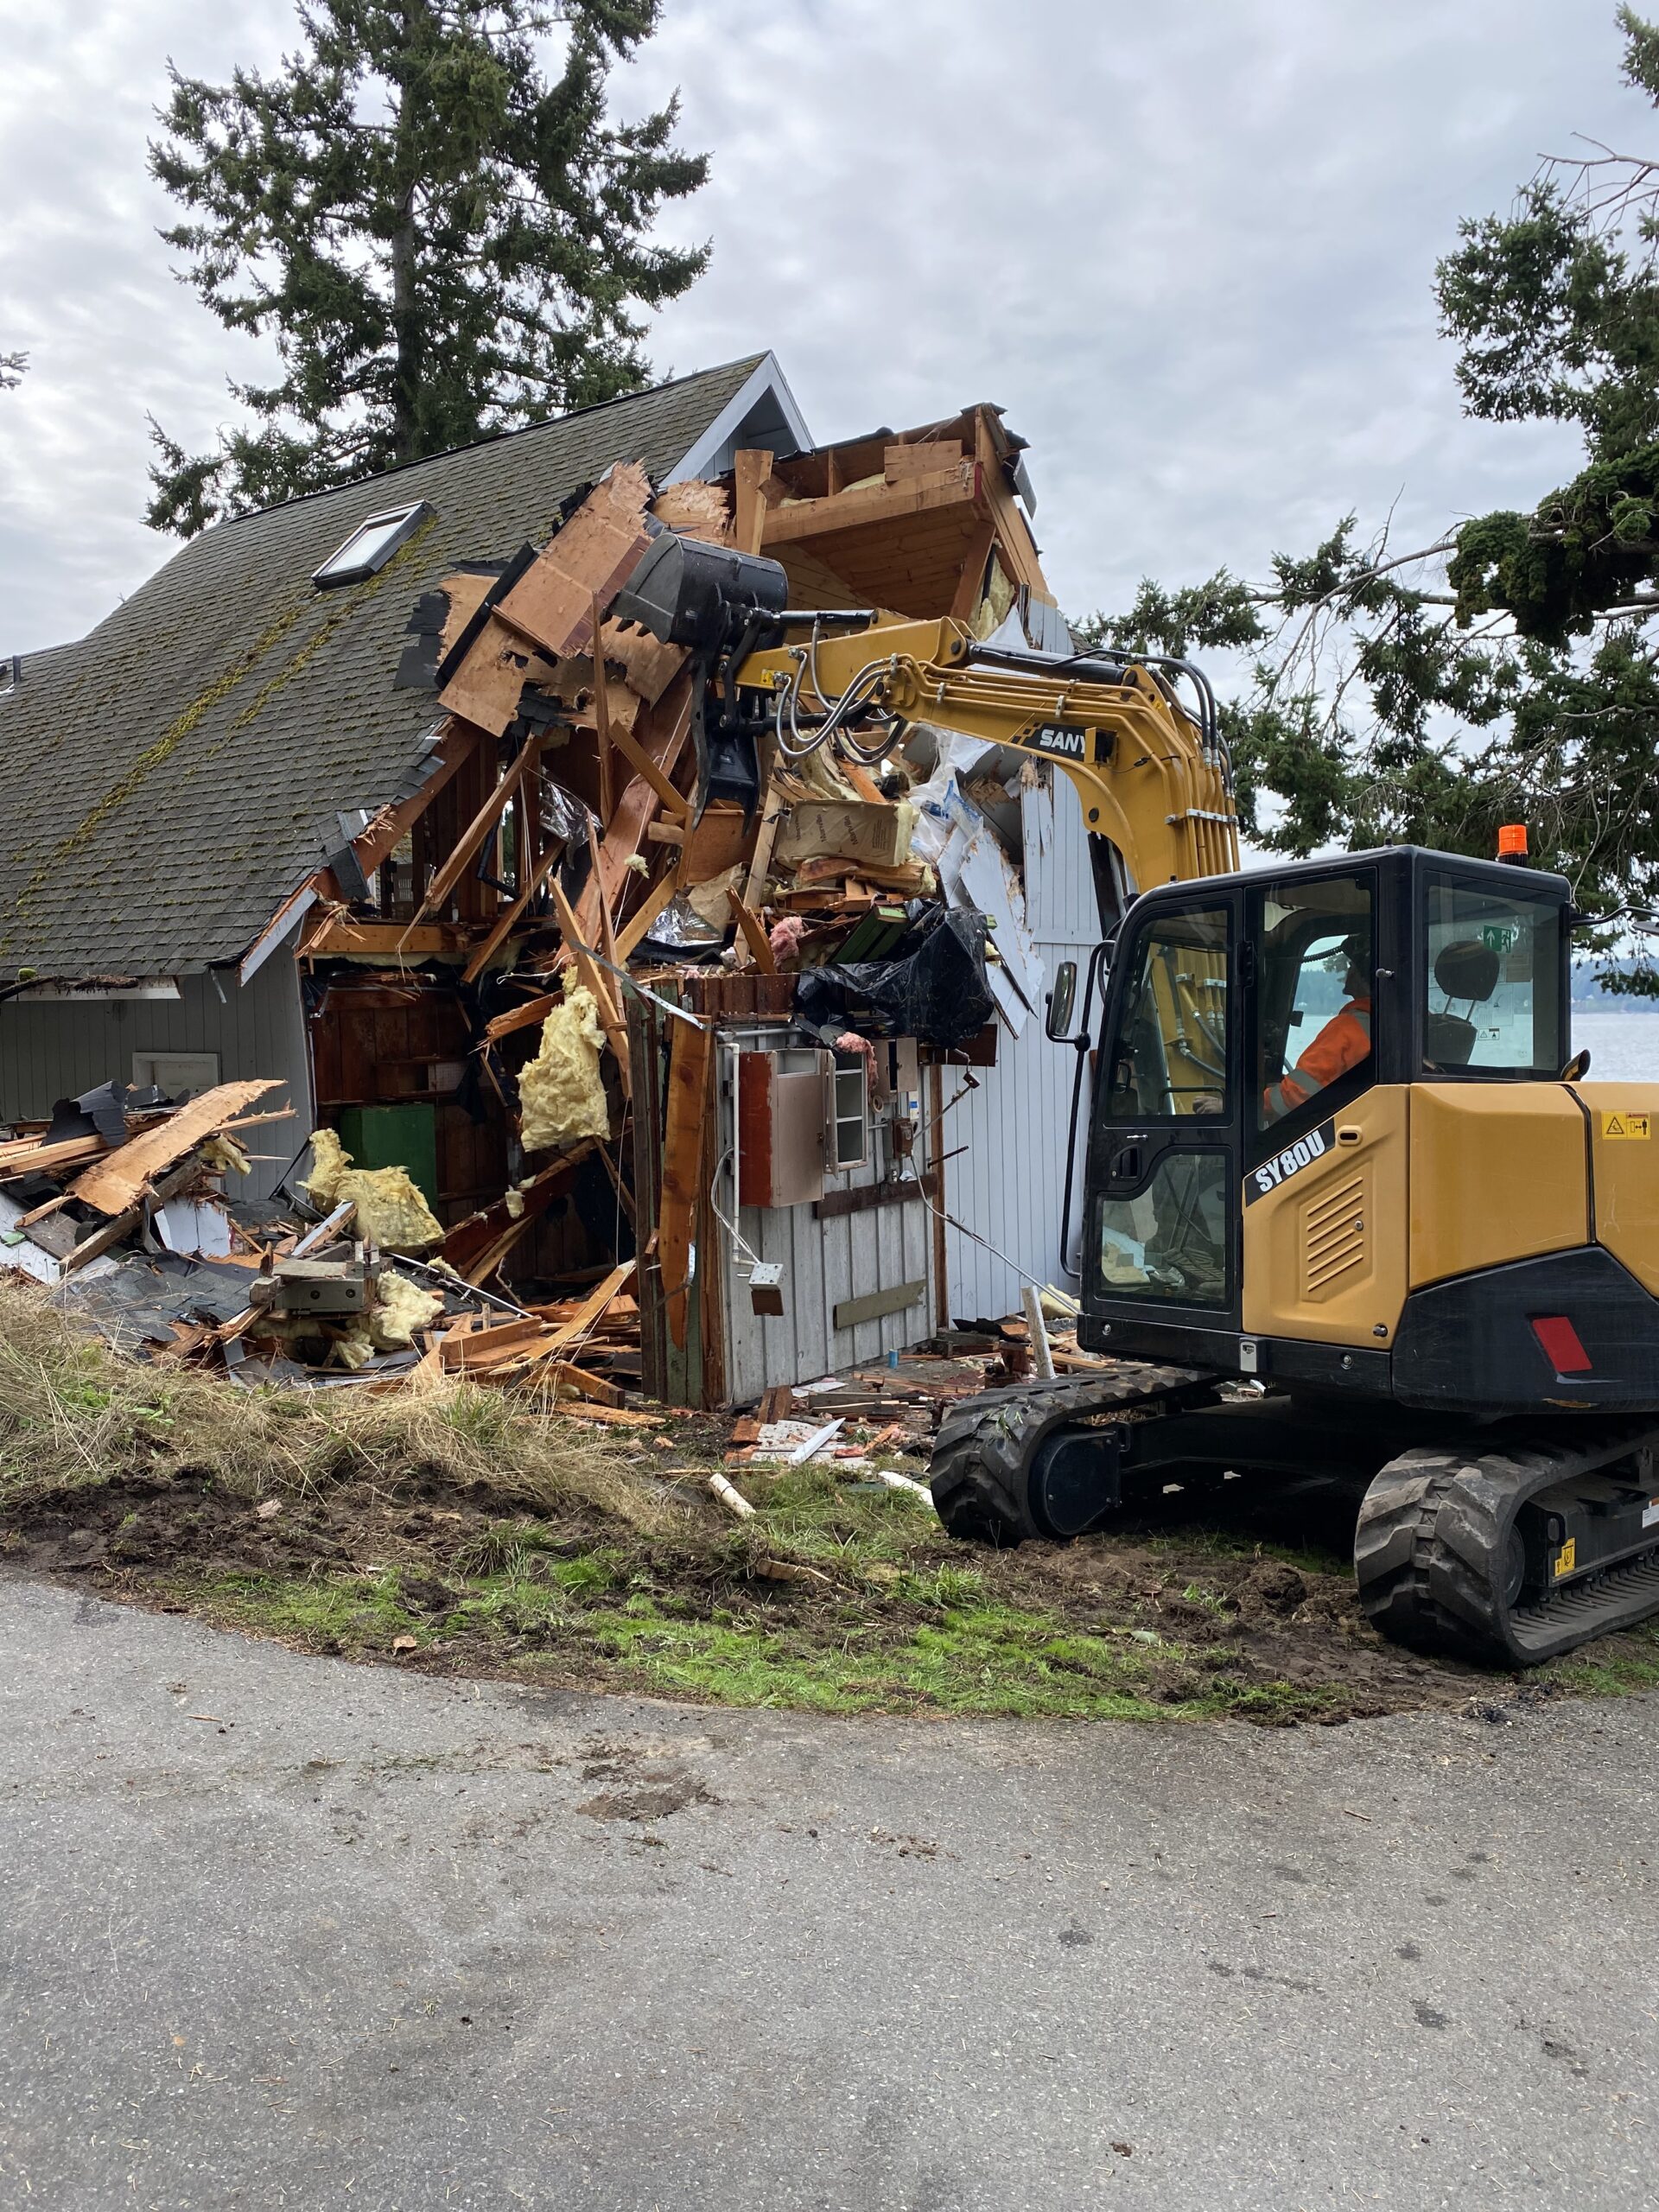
{"x":1209,"y":1102}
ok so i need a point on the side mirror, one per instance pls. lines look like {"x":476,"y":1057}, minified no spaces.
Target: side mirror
{"x":1062,"y":1003}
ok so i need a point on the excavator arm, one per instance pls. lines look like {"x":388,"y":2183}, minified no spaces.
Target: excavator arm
{"x":1153,"y":775}
{"x":1154,"y":778}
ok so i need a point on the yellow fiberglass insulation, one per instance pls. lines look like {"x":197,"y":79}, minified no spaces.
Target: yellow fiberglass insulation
{"x":390,"y":1208}
{"x":400,"y":1308}
{"x":561,"y":1090}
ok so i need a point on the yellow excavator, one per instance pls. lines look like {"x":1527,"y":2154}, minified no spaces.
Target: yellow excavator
{"x":1351,"y":1210}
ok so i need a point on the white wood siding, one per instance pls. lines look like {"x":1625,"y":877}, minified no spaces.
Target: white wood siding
{"x":1009,"y":1184}
{"x":825,"y":1262}
{"x":57,"y":1048}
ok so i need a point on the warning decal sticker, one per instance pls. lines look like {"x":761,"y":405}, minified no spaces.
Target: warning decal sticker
{"x":1627,"y":1125}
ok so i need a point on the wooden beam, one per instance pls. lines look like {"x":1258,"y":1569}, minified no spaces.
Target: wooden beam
{"x":606,"y":926}
{"x":946,"y":487}
{"x":642,"y":764}
{"x":509,"y":921}
{"x":340,"y":933}
{"x":636,"y":930}
{"x":593,"y":976}
{"x":671,"y":725}
{"x":386,"y":831}
{"x":602,"y":716}
{"x":592,"y":1307}
{"x":471,"y":838}
{"x":754,"y":935}
{"x":971,"y":588}
{"x":773,"y":808}
{"x":750,"y":470}
{"x":682,"y":1148}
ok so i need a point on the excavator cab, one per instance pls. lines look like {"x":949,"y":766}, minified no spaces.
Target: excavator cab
{"x":1258,"y":1040}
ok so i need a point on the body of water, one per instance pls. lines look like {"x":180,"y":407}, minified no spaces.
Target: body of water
{"x":1623,"y":1047}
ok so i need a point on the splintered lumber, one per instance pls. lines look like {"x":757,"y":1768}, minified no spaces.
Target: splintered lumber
{"x":800,"y":1453}
{"x":1042,"y":1356}
{"x":666,"y":729}
{"x":642,"y":764}
{"x":688,"y":1072}
{"x":510,"y":919}
{"x":592,"y":1307}
{"x":530,"y":1015}
{"x":598,"y":982}
{"x":459,"y":741}
{"x":754,"y":935}
{"x":19,"y":1160}
{"x":773,"y":808}
{"x":117,"y":1183}
{"x":589,"y":559}
{"x":638,"y":928}
{"x":602,"y":717}
{"x":695,"y":510}
{"x":471,"y":838}
{"x":487,"y":686}
{"x":475,"y":1248}
{"x":616,"y":1416}
{"x":751,"y":470}
{"x":606,"y":925}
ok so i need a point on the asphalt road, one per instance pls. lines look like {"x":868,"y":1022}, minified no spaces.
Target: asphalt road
{"x":362,"y":1939}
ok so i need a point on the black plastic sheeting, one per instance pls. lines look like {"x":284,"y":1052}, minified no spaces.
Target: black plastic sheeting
{"x":934,"y":989}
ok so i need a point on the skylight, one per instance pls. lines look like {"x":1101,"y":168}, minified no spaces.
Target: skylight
{"x":371,"y":545}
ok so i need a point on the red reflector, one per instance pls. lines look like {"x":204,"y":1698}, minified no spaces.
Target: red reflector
{"x":1561,"y":1342}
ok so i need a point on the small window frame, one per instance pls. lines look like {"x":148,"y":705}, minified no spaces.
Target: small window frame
{"x":407,"y":520}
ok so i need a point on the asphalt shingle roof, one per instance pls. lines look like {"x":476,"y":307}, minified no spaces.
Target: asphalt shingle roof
{"x":171,"y":778}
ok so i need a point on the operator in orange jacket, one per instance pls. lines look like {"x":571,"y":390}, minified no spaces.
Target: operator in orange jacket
{"x":1342,"y":1043}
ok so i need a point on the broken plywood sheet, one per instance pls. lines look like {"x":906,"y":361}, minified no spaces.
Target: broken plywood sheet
{"x":561,"y":1091}
{"x":487,"y":686}
{"x":119,"y":1181}
{"x":644,"y":664}
{"x":975,"y":873}
{"x":593,"y":556}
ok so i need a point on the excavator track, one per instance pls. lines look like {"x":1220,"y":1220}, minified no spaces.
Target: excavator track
{"x":1440,"y":1560}
{"x":985,"y":1451}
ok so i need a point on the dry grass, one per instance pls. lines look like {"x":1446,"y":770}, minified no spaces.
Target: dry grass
{"x":74,"y":1414}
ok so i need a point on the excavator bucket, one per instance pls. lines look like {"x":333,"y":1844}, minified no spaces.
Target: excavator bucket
{"x":722,"y":605}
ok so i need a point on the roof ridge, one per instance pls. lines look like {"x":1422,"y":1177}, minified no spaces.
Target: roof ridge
{"x":748,"y":361}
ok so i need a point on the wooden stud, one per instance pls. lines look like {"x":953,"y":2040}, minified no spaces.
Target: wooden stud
{"x":638,"y":928}
{"x":512,"y":915}
{"x":593,"y":976}
{"x":602,"y":718}
{"x":681,"y":1169}
{"x":754,"y":935}
{"x":471,"y":838}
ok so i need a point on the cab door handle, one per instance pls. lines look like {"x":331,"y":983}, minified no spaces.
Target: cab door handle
{"x":1126,"y":1163}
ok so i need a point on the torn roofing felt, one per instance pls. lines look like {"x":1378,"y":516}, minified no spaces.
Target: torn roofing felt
{"x":170,"y":777}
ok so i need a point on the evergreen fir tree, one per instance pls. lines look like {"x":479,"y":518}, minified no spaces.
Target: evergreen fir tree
{"x":1508,"y":670}
{"x":445,"y":241}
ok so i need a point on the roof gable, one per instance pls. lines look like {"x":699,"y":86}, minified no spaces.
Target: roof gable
{"x":172,"y":775}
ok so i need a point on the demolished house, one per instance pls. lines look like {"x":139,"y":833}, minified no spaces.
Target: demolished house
{"x":368,"y":821}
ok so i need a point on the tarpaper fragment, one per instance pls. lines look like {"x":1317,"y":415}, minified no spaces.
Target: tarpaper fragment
{"x":561,"y":1091}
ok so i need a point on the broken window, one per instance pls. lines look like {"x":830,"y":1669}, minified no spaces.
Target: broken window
{"x":371,"y":545}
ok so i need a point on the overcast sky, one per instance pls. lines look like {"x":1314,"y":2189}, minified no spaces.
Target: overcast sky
{"x":1189,"y":249}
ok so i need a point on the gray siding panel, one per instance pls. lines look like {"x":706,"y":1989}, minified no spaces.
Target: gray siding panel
{"x":52,"y":1049}
{"x":823,"y":1262}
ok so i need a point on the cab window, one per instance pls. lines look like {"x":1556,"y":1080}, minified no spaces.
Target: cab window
{"x":1493,"y":983}
{"x":1314,"y":973}
{"x":1168,"y":1055}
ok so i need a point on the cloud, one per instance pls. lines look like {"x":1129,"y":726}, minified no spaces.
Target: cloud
{"x":1189,"y":251}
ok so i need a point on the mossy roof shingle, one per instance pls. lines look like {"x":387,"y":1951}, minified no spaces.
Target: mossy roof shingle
{"x":171,"y":778}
